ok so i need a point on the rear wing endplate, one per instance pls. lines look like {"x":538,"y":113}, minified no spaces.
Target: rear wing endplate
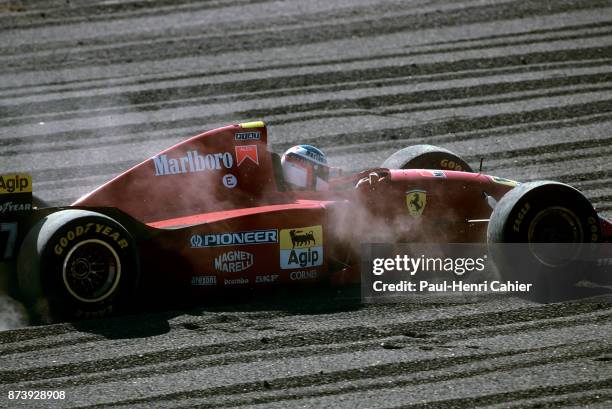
{"x":15,"y":204}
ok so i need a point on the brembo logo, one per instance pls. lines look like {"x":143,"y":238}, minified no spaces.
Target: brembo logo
{"x":192,"y":162}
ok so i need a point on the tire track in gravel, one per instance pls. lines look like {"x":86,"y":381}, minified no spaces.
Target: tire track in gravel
{"x":348,"y":335}
{"x":213,"y":44}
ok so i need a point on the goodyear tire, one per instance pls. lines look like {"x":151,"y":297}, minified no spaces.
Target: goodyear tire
{"x":536,"y":214}
{"x":77,"y":264}
{"x":426,"y":157}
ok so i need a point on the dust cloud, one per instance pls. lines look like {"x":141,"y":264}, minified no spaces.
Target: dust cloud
{"x":12,"y":313}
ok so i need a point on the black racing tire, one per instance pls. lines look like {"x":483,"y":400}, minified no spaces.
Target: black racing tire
{"x":537,"y":214}
{"x":77,"y":264}
{"x":426,"y":157}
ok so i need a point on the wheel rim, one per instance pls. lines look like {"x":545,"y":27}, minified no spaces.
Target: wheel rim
{"x":560,"y":226}
{"x":91,"y":271}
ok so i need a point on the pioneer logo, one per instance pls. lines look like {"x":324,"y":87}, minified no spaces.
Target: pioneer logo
{"x":233,"y":239}
{"x":233,"y":261}
{"x":192,"y":162}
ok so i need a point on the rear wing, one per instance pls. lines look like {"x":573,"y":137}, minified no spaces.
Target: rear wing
{"x":15,"y":205}
{"x":222,"y":169}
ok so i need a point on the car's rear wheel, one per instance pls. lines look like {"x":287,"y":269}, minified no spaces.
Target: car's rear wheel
{"x":554,"y":224}
{"x":426,"y":157}
{"x":79,"y":264}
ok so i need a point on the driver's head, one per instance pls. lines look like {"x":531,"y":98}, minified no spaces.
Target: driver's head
{"x":305,"y":168}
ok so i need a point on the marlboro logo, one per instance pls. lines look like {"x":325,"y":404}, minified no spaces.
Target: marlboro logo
{"x":192,"y":162}
{"x":246,"y":152}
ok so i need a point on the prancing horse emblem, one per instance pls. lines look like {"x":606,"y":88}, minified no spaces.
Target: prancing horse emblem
{"x":415,"y":202}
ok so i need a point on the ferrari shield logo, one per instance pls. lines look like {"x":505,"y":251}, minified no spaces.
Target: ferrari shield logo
{"x":415,"y":202}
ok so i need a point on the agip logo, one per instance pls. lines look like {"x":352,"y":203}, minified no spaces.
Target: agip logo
{"x":301,"y":247}
{"x":15,"y":183}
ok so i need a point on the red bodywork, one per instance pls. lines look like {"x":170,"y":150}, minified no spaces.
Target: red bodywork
{"x":214,"y":214}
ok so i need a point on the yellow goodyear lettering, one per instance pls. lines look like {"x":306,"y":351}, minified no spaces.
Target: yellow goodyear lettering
{"x":65,"y":240}
{"x":450,"y":164}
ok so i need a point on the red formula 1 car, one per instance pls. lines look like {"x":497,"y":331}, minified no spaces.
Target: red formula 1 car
{"x":213,"y":213}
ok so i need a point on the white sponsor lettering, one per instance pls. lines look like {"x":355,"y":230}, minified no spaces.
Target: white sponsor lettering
{"x":270,"y":278}
{"x":203,"y":280}
{"x":192,"y":162}
{"x":235,"y":281}
{"x":233,"y":261}
{"x":9,"y":207}
{"x":232,"y":239}
{"x":248,"y":136}
{"x":303,"y":275}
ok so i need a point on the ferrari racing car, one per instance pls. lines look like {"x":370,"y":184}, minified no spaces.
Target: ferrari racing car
{"x":219,"y":212}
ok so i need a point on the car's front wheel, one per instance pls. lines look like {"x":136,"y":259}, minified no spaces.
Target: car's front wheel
{"x":540,"y":233}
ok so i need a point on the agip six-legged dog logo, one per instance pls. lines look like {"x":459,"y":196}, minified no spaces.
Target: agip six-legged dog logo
{"x":299,"y":238}
{"x":301,"y":247}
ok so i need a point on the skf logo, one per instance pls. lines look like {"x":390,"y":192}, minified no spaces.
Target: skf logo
{"x":301,"y":247}
{"x":15,"y":183}
{"x":415,"y":202}
{"x":270,"y":278}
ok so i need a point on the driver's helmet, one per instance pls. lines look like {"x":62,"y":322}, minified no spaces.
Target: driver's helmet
{"x":305,"y":168}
